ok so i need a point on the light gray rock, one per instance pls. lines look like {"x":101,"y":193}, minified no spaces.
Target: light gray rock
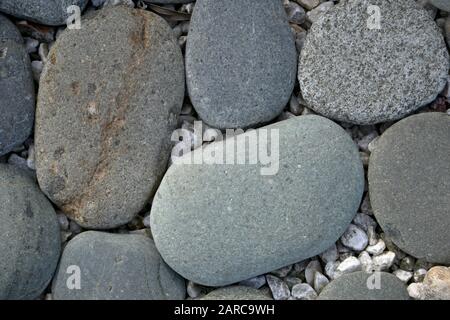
{"x":214,"y":238}
{"x":383,"y":261}
{"x":320,"y":282}
{"x":108,"y":103}
{"x":349,"y":265}
{"x":115,"y":267}
{"x":365,"y":286}
{"x":410,"y":198}
{"x":16,"y":88}
{"x":29,"y":236}
{"x":244,"y":76}
{"x":49,"y":12}
{"x":310,"y":271}
{"x":354,"y":72}
{"x":236,"y":293}
{"x":279,"y":289}
{"x":303,"y":291}
{"x":355,"y":238}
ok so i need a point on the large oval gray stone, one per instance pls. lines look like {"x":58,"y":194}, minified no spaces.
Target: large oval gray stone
{"x":218,"y":224}
{"x":236,"y":293}
{"x":409,"y":183}
{"x":240,"y":61}
{"x":17,"y":100}
{"x":370,"y":61}
{"x":115,"y":267}
{"x":29,"y":236}
{"x":49,"y":12}
{"x":108,"y":103}
{"x":365,"y":286}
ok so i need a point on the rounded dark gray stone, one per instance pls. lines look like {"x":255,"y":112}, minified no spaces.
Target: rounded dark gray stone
{"x":108,"y":103}
{"x":352,"y":73}
{"x":236,"y":293}
{"x":240,"y":61}
{"x":441,"y":4}
{"x":115,"y":267}
{"x":409,"y":183}
{"x":29,"y":236}
{"x":17,"y":101}
{"x":48,"y":12}
{"x":220,"y":224}
{"x":363,"y":286}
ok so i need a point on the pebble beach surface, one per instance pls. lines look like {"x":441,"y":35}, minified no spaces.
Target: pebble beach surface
{"x":350,"y":201}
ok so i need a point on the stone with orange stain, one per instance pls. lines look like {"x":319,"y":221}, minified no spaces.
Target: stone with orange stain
{"x":107,"y":106}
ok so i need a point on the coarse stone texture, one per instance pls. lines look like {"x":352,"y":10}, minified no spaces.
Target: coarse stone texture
{"x":436,"y":285}
{"x":351,"y":72}
{"x":236,"y":293}
{"x":108,"y":103}
{"x":16,"y":88}
{"x":221,"y":223}
{"x":115,"y":267}
{"x":365,"y":286}
{"x":29,"y":236}
{"x":409,"y":179}
{"x":243,"y":76}
{"x":48,"y":12}
{"x":441,"y":4}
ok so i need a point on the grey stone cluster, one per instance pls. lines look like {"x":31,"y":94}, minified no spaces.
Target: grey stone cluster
{"x":351,"y":202}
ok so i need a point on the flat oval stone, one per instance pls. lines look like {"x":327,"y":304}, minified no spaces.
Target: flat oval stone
{"x":365,"y":286}
{"x":48,"y":12}
{"x":240,"y":61}
{"x":108,"y":104}
{"x":17,"y":100}
{"x":409,"y":183}
{"x":236,"y":293}
{"x":115,"y":267}
{"x":29,"y":236}
{"x":371,"y":61}
{"x":217,"y":224}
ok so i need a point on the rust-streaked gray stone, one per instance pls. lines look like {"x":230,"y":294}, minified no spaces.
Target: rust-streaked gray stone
{"x":108,"y":103}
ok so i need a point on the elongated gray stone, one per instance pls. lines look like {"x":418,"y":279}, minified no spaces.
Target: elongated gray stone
{"x":218,"y":224}
{"x":115,"y":267}
{"x":371,"y":61}
{"x":236,"y":293}
{"x":48,"y":12}
{"x":409,"y":183}
{"x":365,"y":286}
{"x":17,"y":100}
{"x":240,"y":61}
{"x":29,"y":236}
{"x":108,"y":103}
